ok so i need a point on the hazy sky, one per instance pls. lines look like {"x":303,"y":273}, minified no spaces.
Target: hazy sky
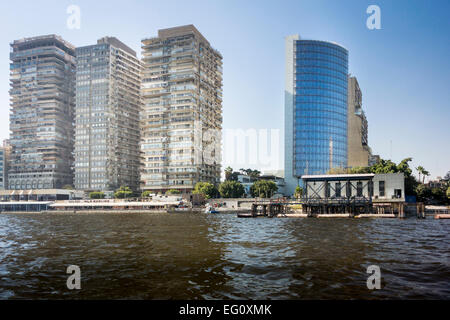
{"x":403,"y":69}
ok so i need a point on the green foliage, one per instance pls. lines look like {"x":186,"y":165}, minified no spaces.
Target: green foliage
{"x":231,"y":189}
{"x":123,"y":192}
{"x":68,"y":187}
{"x":146,"y":194}
{"x":386,"y":166}
{"x":438,"y":194}
{"x":447,"y":176}
{"x":422,"y":172}
{"x":263,"y":188}
{"x":253,"y":174}
{"x":231,"y":175}
{"x":298,"y":192}
{"x":208,"y":190}
{"x":96,"y":195}
{"x":173,"y":191}
{"x":448,"y":193}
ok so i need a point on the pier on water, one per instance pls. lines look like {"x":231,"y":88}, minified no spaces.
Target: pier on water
{"x":346,"y":195}
{"x":331,"y":208}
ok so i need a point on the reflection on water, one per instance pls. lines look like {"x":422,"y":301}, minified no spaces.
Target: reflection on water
{"x":199,"y":256}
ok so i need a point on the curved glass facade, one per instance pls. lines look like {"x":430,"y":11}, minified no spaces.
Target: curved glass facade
{"x":320,"y":107}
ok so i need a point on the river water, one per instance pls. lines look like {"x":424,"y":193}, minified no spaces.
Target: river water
{"x":220,"y":256}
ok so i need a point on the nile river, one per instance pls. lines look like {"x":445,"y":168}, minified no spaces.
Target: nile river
{"x":200,"y":256}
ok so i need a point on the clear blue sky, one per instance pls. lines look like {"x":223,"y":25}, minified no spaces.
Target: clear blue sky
{"x":403,"y":69}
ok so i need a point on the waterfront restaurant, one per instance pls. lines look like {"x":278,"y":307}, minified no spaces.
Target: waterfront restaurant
{"x":354,"y":193}
{"x":114,"y":204}
{"x":35,"y":200}
{"x":40,"y":195}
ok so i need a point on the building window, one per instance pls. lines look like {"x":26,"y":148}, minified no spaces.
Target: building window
{"x":327,"y":189}
{"x":338,"y":189}
{"x":370,"y":187}
{"x":359,"y":189}
{"x":381,"y":188}
{"x":349,"y":189}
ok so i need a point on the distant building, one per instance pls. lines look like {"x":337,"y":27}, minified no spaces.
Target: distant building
{"x":357,"y":141}
{"x":374,"y":159}
{"x":108,"y":105}
{"x":182,"y":118}
{"x":315,"y":108}
{"x":4,"y":155}
{"x":437,"y":183}
{"x":42,"y":113}
{"x":279,"y":181}
{"x":247,"y":182}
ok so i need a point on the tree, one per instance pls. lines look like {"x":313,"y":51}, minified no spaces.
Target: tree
{"x":298,"y":192}
{"x":96,"y":195}
{"x":173,"y":191}
{"x":146,"y":194}
{"x":253,"y":174}
{"x":424,"y":173}
{"x":231,"y":175}
{"x":447,"y":176}
{"x":228,"y":173}
{"x":231,"y":189}
{"x":386,"y":166}
{"x":123,"y":192}
{"x":423,"y":193}
{"x":448,"y":193}
{"x":68,"y":187}
{"x":438,"y":194}
{"x":263,"y":188}
{"x":208,"y":190}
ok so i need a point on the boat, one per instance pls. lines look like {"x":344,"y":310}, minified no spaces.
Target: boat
{"x":246,"y":215}
{"x":210,"y":209}
{"x":442,"y":216}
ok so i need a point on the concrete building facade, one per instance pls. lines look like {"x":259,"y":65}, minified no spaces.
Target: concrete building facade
{"x":3,"y":168}
{"x":42,"y":75}
{"x":108,"y":105}
{"x":358,"y":148}
{"x":181,"y":121}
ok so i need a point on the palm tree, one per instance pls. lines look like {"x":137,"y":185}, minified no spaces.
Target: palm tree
{"x":419,"y":170}
{"x":228,"y":173}
{"x":422,"y":172}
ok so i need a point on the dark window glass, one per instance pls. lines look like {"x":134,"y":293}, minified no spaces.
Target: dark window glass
{"x":381,"y":188}
{"x":338,"y":189}
{"x":370,"y":186}
{"x":349,"y":189}
{"x":359,"y":189}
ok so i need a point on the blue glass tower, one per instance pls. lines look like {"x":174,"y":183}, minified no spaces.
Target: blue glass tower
{"x":315,"y":108}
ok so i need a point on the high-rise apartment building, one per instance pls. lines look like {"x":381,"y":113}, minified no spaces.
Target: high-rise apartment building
{"x":5,"y":152}
{"x":108,"y":104}
{"x":358,"y":148}
{"x":315,"y":108}
{"x":42,"y":74}
{"x":181,"y":121}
